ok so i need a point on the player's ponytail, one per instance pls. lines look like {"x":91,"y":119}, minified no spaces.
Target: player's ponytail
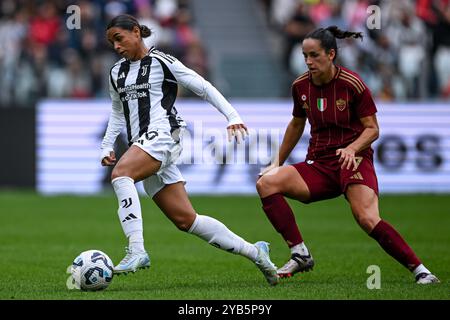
{"x":145,"y":31}
{"x":327,"y":37}
{"x":128,"y":22}
{"x":340,"y":34}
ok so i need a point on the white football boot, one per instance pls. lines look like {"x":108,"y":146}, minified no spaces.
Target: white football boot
{"x":132,"y":262}
{"x":264,"y":264}
{"x":297,"y":263}
{"x":426,"y":278}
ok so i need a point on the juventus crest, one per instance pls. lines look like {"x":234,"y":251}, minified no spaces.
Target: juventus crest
{"x":144,"y":70}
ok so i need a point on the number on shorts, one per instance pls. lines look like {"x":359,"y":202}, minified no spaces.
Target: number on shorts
{"x":151,"y":135}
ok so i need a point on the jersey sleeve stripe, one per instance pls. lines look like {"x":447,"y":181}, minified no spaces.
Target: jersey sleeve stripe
{"x":355,"y":78}
{"x":352,"y":82}
{"x":164,"y":56}
{"x":302,"y":77}
{"x":351,"y":76}
{"x":338,"y":73}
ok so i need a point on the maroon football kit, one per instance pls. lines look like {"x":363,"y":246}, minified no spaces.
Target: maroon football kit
{"x":334,"y":111}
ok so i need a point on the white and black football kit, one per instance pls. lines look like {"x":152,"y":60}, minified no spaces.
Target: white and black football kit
{"x":143,"y":94}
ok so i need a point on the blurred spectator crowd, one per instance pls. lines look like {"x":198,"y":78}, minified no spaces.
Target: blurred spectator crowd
{"x":41,"y":57}
{"x":407,"y":58}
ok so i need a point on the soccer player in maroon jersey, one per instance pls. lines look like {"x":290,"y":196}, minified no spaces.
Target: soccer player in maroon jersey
{"x":341,"y":112}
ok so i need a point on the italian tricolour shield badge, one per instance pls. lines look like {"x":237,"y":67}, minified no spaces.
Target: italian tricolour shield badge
{"x":322,"y":104}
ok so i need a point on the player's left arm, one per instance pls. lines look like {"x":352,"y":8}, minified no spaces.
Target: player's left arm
{"x":365,"y":109}
{"x":365,"y":139}
{"x":203,"y":88}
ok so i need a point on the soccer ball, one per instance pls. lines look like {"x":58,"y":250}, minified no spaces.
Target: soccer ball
{"x":92,"y":270}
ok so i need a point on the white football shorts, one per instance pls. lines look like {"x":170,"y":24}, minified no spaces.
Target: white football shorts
{"x":163,"y":147}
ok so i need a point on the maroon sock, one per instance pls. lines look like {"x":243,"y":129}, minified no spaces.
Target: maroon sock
{"x":282,"y":218}
{"x":392,"y":242}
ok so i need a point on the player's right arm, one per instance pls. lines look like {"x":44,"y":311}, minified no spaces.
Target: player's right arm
{"x":294,"y":132}
{"x":296,"y":126}
{"x":115,"y":125}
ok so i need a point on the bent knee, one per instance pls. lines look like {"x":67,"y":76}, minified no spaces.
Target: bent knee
{"x":266,"y":186}
{"x":119,"y":171}
{"x":183,"y":226}
{"x":260,"y":185}
{"x":184,"y":223}
{"x":367,"y":223}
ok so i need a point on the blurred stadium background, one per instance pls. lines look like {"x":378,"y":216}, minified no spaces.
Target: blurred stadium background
{"x":248,"y":49}
{"x":54,"y":100}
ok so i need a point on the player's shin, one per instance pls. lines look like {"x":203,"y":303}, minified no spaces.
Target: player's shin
{"x":129,"y":211}
{"x":282,"y":218}
{"x":392,"y":242}
{"x":218,"y":235}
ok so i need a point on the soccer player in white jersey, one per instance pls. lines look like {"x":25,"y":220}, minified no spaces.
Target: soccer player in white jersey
{"x":143,"y":89}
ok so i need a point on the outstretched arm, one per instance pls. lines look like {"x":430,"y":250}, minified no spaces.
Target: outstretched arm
{"x":203,"y":88}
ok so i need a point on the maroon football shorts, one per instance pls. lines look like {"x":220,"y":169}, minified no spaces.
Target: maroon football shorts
{"x":325,"y":178}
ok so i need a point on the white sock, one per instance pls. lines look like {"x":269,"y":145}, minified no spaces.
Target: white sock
{"x":130,"y":214}
{"x":300,"y":249}
{"x":136,"y":241}
{"x":218,"y":235}
{"x":420,"y":269}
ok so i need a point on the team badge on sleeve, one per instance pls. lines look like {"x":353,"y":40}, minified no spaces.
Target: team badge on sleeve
{"x":305,"y":105}
{"x":341,"y":104}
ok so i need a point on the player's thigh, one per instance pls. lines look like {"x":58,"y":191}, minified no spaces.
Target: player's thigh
{"x":136,"y":164}
{"x":286,"y":180}
{"x":174,"y":202}
{"x":364,"y":204}
{"x":364,"y":174}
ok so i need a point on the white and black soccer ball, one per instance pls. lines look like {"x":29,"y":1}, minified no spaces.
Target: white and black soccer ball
{"x":92,"y":270}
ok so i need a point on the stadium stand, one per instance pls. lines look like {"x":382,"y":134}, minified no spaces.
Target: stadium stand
{"x":246,"y":48}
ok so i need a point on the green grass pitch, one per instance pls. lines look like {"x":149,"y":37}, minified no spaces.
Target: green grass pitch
{"x":40,"y":236}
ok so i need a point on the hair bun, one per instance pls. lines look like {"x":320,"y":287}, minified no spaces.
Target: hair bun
{"x":145,"y":31}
